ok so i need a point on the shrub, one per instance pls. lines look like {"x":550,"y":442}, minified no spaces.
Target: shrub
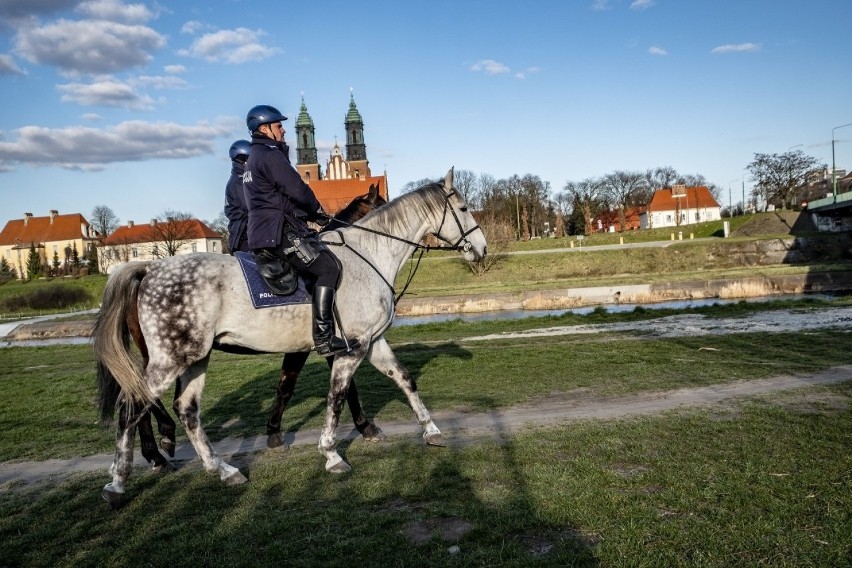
{"x":47,"y":298}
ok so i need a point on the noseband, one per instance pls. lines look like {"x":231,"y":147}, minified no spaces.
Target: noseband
{"x":463,"y":244}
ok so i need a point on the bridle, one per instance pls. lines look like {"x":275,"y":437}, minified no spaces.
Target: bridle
{"x":463,"y":244}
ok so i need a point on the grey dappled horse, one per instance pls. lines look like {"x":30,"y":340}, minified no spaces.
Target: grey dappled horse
{"x":291,"y":366}
{"x":189,"y":304}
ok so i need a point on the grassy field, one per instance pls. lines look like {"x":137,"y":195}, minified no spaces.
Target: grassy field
{"x":763,"y":481}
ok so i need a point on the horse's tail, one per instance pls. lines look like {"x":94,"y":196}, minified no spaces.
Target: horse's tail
{"x":119,"y":372}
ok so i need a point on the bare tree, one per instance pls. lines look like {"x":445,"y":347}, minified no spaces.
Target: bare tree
{"x":412,"y":185}
{"x":104,"y":220}
{"x":619,"y":188}
{"x":464,"y":181}
{"x":779,"y":177}
{"x":171,"y":231}
{"x":586,"y":195}
{"x":661,"y":177}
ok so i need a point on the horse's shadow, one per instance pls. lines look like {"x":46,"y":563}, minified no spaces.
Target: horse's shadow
{"x":244,"y":412}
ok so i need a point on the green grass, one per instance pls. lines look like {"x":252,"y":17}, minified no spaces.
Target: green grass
{"x":764,"y":482}
{"x":92,"y":285}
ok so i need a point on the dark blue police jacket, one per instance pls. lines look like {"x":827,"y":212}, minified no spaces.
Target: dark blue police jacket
{"x":275,"y":195}
{"x":235,"y":209}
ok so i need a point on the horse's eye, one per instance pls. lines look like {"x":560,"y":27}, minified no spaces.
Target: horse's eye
{"x":463,"y":209}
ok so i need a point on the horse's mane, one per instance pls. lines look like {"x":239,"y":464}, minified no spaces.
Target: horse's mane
{"x":396,"y":216}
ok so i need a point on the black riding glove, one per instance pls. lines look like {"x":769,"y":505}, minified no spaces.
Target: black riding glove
{"x":322,"y":219}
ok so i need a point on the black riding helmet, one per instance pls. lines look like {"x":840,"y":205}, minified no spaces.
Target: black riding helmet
{"x":239,"y":151}
{"x":263,"y":114}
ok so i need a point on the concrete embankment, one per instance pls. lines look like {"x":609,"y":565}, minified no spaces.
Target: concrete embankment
{"x":629,"y":294}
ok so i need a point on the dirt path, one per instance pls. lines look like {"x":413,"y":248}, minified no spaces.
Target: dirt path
{"x":464,"y":428}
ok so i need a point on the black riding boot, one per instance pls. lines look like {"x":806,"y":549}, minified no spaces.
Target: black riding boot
{"x":326,"y":343}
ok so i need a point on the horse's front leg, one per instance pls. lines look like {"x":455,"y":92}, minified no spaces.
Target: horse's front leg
{"x":341,"y":376}
{"x":291,"y":366}
{"x":363,"y":424}
{"x":384,"y":360}
{"x":165,"y":426}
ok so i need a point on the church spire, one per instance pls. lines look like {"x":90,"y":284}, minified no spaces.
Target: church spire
{"x":306,"y":146}
{"x":356,"y":150}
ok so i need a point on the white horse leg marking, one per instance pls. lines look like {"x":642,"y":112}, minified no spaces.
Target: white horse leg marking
{"x":341,"y":375}
{"x":188,"y":408}
{"x":384,"y":360}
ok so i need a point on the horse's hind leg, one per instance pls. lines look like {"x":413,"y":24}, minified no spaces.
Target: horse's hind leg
{"x":188,"y":408}
{"x":149,"y":445}
{"x":165,"y":426}
{"x":291,"y":366}
{"x":384,"y":360}
{"x":122,"y":464}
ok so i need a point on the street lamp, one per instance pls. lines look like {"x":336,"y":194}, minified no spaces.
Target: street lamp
{"x":730,"y":206}
{"x":833,"y":167}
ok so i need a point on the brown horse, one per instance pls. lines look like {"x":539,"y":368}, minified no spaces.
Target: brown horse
{"x":291,"y":366}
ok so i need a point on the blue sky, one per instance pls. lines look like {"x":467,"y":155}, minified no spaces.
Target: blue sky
{"x":134,"y":105}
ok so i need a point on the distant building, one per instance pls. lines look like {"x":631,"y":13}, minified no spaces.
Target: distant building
{"x":344,"y":179}
{"x":157,"y":239}
{"x":680,"y":205}
{"x":52,"y":235}
{"x":610,"y":221}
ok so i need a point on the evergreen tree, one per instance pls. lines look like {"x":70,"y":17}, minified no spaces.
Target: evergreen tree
{"x":75,"y":256}
{"x":33,"y":263}
{"x":56,"y":263}
{"x":92,"y":261}
{"x":6,"y":272}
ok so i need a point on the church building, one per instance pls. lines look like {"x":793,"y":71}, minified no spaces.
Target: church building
{"x":343,"y":179}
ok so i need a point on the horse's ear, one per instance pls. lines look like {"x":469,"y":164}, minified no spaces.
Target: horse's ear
{"x":373,"y":193}
{"x":448,"y":180}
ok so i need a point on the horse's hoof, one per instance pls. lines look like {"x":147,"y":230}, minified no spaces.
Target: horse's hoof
{"x":339,"y":466}
{"x":373,"y":433}
{"x":164,"y":467}
{"x":168,"y":446}
{"x":112,"y":497}
{"x":275,"y":440}
{"x":235,"y":478}
{"x":435,"y":440}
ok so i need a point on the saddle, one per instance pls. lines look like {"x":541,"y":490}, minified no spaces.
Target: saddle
{"x":279,"y":276}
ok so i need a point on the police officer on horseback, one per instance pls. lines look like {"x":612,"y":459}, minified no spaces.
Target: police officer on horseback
{"x":235,"y":200}
{"x":279,"y":206}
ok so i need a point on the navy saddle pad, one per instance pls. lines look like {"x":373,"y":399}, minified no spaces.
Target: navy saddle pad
{"x":261,"y":295}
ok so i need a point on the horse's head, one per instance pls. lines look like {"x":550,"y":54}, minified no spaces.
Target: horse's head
{"x":357,"y":208}
{"x":458,"y":228}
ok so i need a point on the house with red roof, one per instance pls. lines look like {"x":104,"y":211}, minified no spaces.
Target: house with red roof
{"x":157,"y":239}
{"x":680,"y":205}
{"x":52,"y":236}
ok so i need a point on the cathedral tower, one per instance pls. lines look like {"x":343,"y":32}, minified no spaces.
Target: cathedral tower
{"x":356,"y":150}
{"x":307,"y":163}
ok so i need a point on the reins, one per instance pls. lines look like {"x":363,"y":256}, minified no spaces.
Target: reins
{"x":423,"y":248}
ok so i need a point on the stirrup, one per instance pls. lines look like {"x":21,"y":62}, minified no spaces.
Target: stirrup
{"x":336,"y":346}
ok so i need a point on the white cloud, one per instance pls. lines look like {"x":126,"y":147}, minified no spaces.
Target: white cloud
{"x":600,"y":5}
{"x":86,"y":148}
{"x":736,"y":47}
{"x":91,"y":116}
{"x":115,"y":11}
{"x":9,"y":67}
{"x":174,"y":69}
{"x":654,"y":50}
{"x":526,"y":72}
{"x":490,"y":67}
{"x":230,"y":46}
{"x":641,"y":4}
{"x":192,"y":27}
{"x":159,"y":82}
{"x":88,"y":46}
{"x":106,"y":92}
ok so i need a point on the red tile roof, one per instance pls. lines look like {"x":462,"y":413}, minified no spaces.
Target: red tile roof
{"x":335,"y":194}
{"x":695,"y":198}
{"x":41,"y":230}
{"x":127,"y":234}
